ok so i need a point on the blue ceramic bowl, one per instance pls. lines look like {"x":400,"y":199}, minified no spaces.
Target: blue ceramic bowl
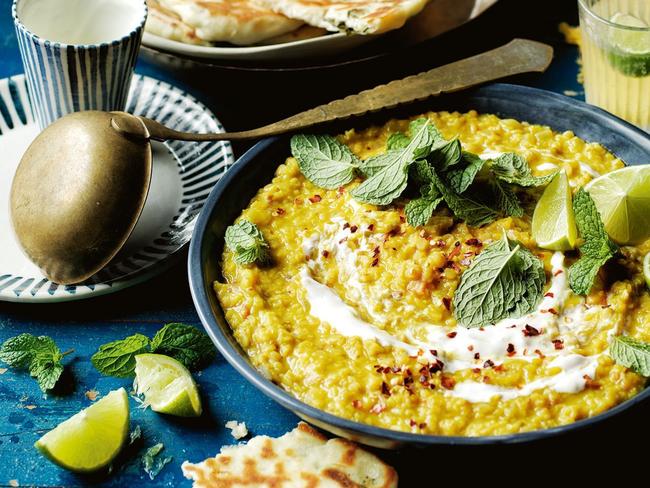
{"x":256,"y":168}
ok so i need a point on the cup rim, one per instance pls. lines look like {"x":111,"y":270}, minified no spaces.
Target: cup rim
{"x":19,"y":24}
{"x":586,"y":8}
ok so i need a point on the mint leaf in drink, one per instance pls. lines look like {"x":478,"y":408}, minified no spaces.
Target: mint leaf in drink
{"x":631,"y":353}
{"x":247,"y":242}
{"x":597,"y":249}
{"x":184,"y":343}
{"x":504,"y":281}
{"x":39,"y":355}
{"x":471,"y":210}
{"x":389,"y":171}
{"x":323,"y":160}
{"x":462,"y":173}
{"x":117,"y":358}
{"x":514,"y":169}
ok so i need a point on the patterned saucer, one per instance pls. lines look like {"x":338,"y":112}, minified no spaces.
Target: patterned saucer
{"x":183,"y":175}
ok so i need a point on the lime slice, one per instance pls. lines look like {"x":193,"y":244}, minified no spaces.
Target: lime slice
{"x":646,"y":269}
{"x":554,"y":224}
{"x":167,"y":385}
{"x":623,"y":201}
{"x":631,"y":47}
{"x":90,"y":439}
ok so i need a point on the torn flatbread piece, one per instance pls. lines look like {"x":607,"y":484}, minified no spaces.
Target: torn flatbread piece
{"x":163,"y":22}
{"x":359,"y":16}
{"x":240,"y":22}
{"x":299,"y":459}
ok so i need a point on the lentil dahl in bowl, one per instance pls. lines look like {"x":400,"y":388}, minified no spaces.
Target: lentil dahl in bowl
{"x":352,"y":326}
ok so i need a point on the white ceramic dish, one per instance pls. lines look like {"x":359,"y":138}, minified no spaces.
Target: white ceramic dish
{"x":183,"y":175}
{"x":326,"y":45}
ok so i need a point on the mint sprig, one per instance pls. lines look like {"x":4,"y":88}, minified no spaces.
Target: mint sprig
{"x":247,"y":242}
{"x":37,"y":354}
{"x":597,"y":249}
{"x":504,"y":281}
{"x":631,"y":353}
{"x":514,"y":169}
{"x":323,"y":160}
{"x":182,"y":342}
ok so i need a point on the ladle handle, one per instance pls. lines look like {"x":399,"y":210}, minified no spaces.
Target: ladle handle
{"x":516,"y":57}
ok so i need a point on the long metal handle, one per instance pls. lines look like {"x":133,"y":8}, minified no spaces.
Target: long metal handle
{"x":516,"y":57}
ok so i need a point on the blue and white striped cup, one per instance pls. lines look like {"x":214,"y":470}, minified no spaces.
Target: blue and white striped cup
{"x":78,"y":54}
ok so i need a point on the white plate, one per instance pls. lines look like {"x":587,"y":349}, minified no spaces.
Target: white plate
{"x":183,"y":175}
{"x":318,"y":46}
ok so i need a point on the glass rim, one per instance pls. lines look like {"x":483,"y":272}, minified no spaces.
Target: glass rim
{"x":608,"y":22}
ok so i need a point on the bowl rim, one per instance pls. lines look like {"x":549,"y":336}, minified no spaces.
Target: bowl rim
{"x":283,"y":397}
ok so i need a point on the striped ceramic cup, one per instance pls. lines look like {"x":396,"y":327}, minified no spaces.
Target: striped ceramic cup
{"x":78,"y":54}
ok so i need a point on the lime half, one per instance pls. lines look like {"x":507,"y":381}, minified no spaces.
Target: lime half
{"x":92,"y":438}
{"x":554,"y":225}
{"x":167,"y":385}
{"x":623,"y":201}
{"x":646,"y":269}
{"x":631,"y":45}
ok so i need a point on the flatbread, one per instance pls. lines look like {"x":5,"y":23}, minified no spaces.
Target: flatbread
{"x":165,"y":23}
{"x":359,"y":16}
{"x":299,"y":459}
{"x":240,"y":22}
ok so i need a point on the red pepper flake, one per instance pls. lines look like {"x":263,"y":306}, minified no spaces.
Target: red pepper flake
{"x":486,"y":379}
{"x":357,"y":404}
{"x":488,"y":364}
{"x":371,"y":227}
{"x":412,"y":423}
{"x":539,"y":353}
{"x":510,"y":349}
{"x":477,"y":355}
{"x":558,"y":272}
{"x":549,"y":294}
{"x":297,"y":201}
{"x":530,"y":331}
{"x":473,"y":242}
{"x":434,"y":352}
{"x":422,"y":425}
{"x":384,"y":389}
{"x":590,"y":383}
{"x":376,"y":251}
{"x":341,"y":190}
{"x":455,"y":251}
{"x":436,"y":366}
{"x":446,"y":301}
{"x":558,"y":343}
{"x":378,"y":408}
{"x":470,"y":348}
{"x":448,"y":382}
{"x":280,"y":211}
{"x":343,"y":240}
{"x":476,"y":370}
{"x":402,"y":218}
{"x":354,"y":228}
{"x":346,"y":225}
{"x":432,"y":386}
{"x":553,"y":311}
{"x":325,"y":253}
{"x":375,"y":262}
{"x":451,"y":335}
{"x":315,"y":199}
{"x":499,"y":367}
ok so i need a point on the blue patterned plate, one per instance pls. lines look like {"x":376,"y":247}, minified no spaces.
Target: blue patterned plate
{"x":183,"y":175}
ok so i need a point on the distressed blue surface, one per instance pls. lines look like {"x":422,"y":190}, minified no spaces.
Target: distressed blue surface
{"x":85,"y":325}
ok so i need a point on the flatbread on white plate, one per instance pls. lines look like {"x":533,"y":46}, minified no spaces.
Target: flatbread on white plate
{"x":359,"y":16}
{"x":302,"y":458}
{"x":240,"y":22}
{"x":165,"y":23}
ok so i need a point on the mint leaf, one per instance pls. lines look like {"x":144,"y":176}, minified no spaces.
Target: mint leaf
{"x":506,"y":199}
{"x":247,"y":242}
{"x":504,"y":281}
{"x":597,"y":248}
{"x":631,"y":353}
{"x":47,"y":370}
{"x":446,"y":155}
{"x":473,"y":212}
{"x":323,"y":160}
{"x":184,"y":343}
{"x":39,"y":355}
{"x":397,"y":140}
{"x":461,"y":175}
{"x":117,"y":358}
{"x":18,"y":351}
{"x":512,"y":168}
{"x":419,"y":210}
{"x":152,"y":462}
{"x":389,"y":171}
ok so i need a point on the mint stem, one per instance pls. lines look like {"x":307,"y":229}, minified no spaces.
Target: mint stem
{"x":69,"y":351}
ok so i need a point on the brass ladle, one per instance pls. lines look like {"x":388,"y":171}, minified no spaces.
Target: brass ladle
{"x":82,"y":183}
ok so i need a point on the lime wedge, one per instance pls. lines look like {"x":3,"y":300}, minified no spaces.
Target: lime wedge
{"x":623,"y":201}
{"x":90,"y":439}
{"x":646,"y":269}
{"x":167,"y":385}
{"x":631,"y":45}
{"x":554,"y":225}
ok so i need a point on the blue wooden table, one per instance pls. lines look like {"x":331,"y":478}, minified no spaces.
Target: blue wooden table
{"x":83,"y":326}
